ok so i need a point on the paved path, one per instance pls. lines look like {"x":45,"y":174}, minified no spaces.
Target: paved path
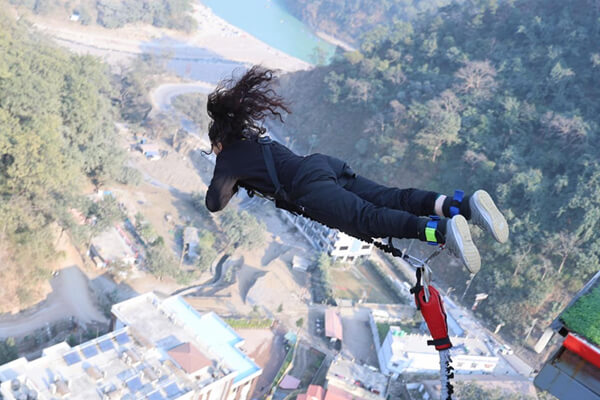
{"x":163,"y":94}
{"x":70,"y":296}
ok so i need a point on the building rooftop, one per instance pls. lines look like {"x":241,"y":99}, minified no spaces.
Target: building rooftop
{"x":573,"y":371}
{"x":113,"y":366}
{"x":112,"y":247}
{"x":189,"y":358}
{"x":315,"y":392}
{"x":355,"y":380}
{"x":581,"y":316}
{"x":413,"y":343}
{"x":333,"y":324}
{"x":161,"y":349}
{"x":190,"y":235}
{"x":171,"y":322}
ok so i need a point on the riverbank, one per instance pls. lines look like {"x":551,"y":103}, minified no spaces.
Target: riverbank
{"x":334,"y":40}
{"x":234,"y":44}
{"x":119,"y":46}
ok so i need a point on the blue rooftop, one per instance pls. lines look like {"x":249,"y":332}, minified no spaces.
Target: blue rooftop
{"x":217,"y":335}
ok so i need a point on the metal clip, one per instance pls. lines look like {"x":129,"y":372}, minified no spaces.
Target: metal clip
{"x":423,"y":265}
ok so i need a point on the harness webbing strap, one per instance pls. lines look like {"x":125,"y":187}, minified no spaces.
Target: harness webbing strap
{"x":430,"y":229}
{"x":265,"y":142}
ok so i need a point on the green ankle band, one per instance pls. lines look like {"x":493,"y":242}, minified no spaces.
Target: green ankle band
{"x":430,"y":235}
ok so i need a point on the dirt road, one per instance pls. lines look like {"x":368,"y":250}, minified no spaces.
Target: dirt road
{"x":70,"y":296}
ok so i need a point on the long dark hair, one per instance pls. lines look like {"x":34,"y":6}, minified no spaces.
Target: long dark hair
{"x":237,"y":108}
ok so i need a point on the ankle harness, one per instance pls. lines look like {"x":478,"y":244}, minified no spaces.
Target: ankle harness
{"x":456,"y":201}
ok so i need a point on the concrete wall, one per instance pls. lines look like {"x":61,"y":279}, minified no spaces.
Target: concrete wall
{"x":380,"y":357}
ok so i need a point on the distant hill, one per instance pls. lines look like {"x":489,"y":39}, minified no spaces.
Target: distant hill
{"x":350,"y":19}
{"x":484,"y":94}
{"x":173,"y":14}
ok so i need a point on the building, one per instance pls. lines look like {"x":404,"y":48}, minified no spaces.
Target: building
{"x":190,"y":240}
{"x":150,"y":150}
{"x":510,"y":387}
{"x":301,"y":263}
{"x":314,"y":392}
{"x":347,"y":380}
{"x":113,"y":246}
{"x":331,"y":241}
{"x":333,"y":325}
{"x":405,"y":353}
{"x":159,"y":350}
{"x":573,"y":371}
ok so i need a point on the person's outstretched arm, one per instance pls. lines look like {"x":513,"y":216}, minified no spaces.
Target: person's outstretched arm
{"x":221,"y":189}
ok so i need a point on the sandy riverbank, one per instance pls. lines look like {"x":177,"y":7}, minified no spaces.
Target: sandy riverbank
{"x":214,"y":34}
{"x":232,"y":43}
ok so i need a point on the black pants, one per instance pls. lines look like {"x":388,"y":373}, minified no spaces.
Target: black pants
{"x":332,"y":194}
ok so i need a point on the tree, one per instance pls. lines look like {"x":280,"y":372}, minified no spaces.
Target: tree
{"x":104,"y":213}
{"x":571,"y":130}
{"x":242,"y":229}
{"x":524,"y":127}
{"x":299,"y":323}
{"x":563,"y":244}
{"x":477,"y":78}
{"x":199,"y":203}
{"x":161,"y":262}
{"x":130,"y":176}
{"x":441,"y":124}
{"x":193,"y":106}
{"x":206,"y":251}
{"x":8,"y":350}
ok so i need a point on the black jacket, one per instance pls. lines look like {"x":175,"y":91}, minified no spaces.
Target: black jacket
{"x":242,"y":164}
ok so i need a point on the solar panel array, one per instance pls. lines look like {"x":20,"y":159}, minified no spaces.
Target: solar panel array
{"x":122,"y":338}
{"x":72,"y":358}
{"x":106,"y":345}
{"x":130,"y":377}
{"x":172,"y":390}
{"x":134,"y":384}
{"x":90,"y":351}
{"x":156,"y":396}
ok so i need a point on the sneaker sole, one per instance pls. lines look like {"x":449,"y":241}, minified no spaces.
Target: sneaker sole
{"x":459,"y":233}
{"x":485,"y":214}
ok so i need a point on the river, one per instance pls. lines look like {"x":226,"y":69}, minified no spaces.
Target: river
{"x":270,"y":22}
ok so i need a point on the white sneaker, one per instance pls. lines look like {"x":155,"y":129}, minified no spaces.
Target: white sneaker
{"x":486,"y":215}
{"x":460,"y":244}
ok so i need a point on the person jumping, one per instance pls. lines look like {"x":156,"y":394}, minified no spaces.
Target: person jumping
{"x":325,"y":188}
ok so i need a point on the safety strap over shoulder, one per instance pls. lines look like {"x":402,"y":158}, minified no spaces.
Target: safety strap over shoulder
{"x":265,"y":142}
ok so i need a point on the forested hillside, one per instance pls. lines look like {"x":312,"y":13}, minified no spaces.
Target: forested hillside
{"x":350,"y":19}
{"x":57,"y":132}
{"x":484,"y":94}
{"x":174,"y":14}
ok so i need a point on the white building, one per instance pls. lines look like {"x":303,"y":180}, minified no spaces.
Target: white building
{"x":112,"y":246}
{"x":331,"y":241}
{"x":190,"y":239}
{"x":404,"y":353}
{"x":356,"y":381}
{"x":160,"y":349}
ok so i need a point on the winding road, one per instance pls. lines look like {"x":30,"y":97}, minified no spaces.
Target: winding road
{"x":70,"y":297}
